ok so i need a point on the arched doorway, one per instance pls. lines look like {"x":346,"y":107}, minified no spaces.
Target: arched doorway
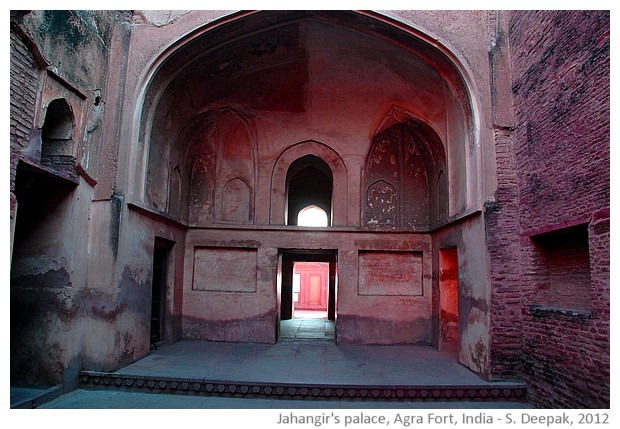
{"x":309,"y":182}
{"x":309,"y":173}
{"x":312,"y":216}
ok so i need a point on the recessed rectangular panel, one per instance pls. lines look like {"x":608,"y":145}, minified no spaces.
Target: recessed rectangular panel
{"x":224,"y":269}
{"x":390,"y":273}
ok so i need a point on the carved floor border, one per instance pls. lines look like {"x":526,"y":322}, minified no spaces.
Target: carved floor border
{"x":297,"y":391}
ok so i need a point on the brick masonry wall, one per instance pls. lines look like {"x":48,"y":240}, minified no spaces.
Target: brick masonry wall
{"x":24,"y":85}
{"x":560,"y":66}
{"x":502,"y":217}
{"x":561,"y":88}
{"x":23,"y":92}
{"x":24,"y":74}
{"x":62,"y":164}
{"x":502,"y":223}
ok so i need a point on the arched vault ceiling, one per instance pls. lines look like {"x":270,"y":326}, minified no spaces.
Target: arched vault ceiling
{"x":270,"y":61}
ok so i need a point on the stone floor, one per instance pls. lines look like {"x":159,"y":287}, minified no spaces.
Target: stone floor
{"x":305,"y":359}
{"x":32,"y":397}
{"x":307,"y":329}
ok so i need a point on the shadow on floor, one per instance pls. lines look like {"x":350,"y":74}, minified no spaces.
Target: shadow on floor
{"x":33,"y":397}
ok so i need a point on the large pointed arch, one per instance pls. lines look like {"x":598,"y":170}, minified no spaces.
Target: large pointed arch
{"x":231,"y":63}
{"x":165,"y":69}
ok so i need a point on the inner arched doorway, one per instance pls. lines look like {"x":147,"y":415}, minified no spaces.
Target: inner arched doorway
{"x":312,"y":216}
{"x":309,"y":182}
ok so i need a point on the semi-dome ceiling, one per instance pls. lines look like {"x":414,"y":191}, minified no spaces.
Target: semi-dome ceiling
{"x":275,"y":61}
{"x":294,"y":76}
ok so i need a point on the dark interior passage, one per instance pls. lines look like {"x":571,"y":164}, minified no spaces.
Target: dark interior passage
{"x":158,"y":293}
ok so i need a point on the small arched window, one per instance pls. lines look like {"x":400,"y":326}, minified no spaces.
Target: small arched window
{"x":312,"y":216}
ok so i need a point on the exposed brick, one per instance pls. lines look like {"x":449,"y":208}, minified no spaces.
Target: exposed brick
{"x":502,"y":224}
{"x":25,"y":70}
{"x":23,"y":89}
{"x":560,"y":64}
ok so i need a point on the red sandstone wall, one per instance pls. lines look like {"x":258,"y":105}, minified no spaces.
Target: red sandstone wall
{"x":560,"y":63}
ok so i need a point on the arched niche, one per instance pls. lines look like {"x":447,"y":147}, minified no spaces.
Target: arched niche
{"x":381,"y":204}
{"x":214,"y":154}
{"x":315,"y":156}
{"x":174,"y":192}
{"x":57,"y":148}
{"x":236,"y":202}
{"x":405,"y":184}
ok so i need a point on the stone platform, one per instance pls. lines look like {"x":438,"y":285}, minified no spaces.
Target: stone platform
{"x":305,"y":369}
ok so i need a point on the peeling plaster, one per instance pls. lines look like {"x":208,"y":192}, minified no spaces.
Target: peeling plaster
{"x":476,"y":335}
{"x":37,"y":265}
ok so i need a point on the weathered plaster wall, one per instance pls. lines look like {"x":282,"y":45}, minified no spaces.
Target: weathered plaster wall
{"x":54,"y":55}
{"x":47,"y":284}
{"x":474,"y":315}
{"x":560,"y":64}
{"x":117,"y":317}
{"x":370,"y":311}
{"x":378,"y":314}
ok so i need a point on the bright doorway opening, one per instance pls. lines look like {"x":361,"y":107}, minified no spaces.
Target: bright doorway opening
{"x":310,"y":289}
{"x":307,"y":295}
{"x":312,"y":216}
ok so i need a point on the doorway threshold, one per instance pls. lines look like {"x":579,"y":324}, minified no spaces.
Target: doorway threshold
{"x":307,"y":329}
